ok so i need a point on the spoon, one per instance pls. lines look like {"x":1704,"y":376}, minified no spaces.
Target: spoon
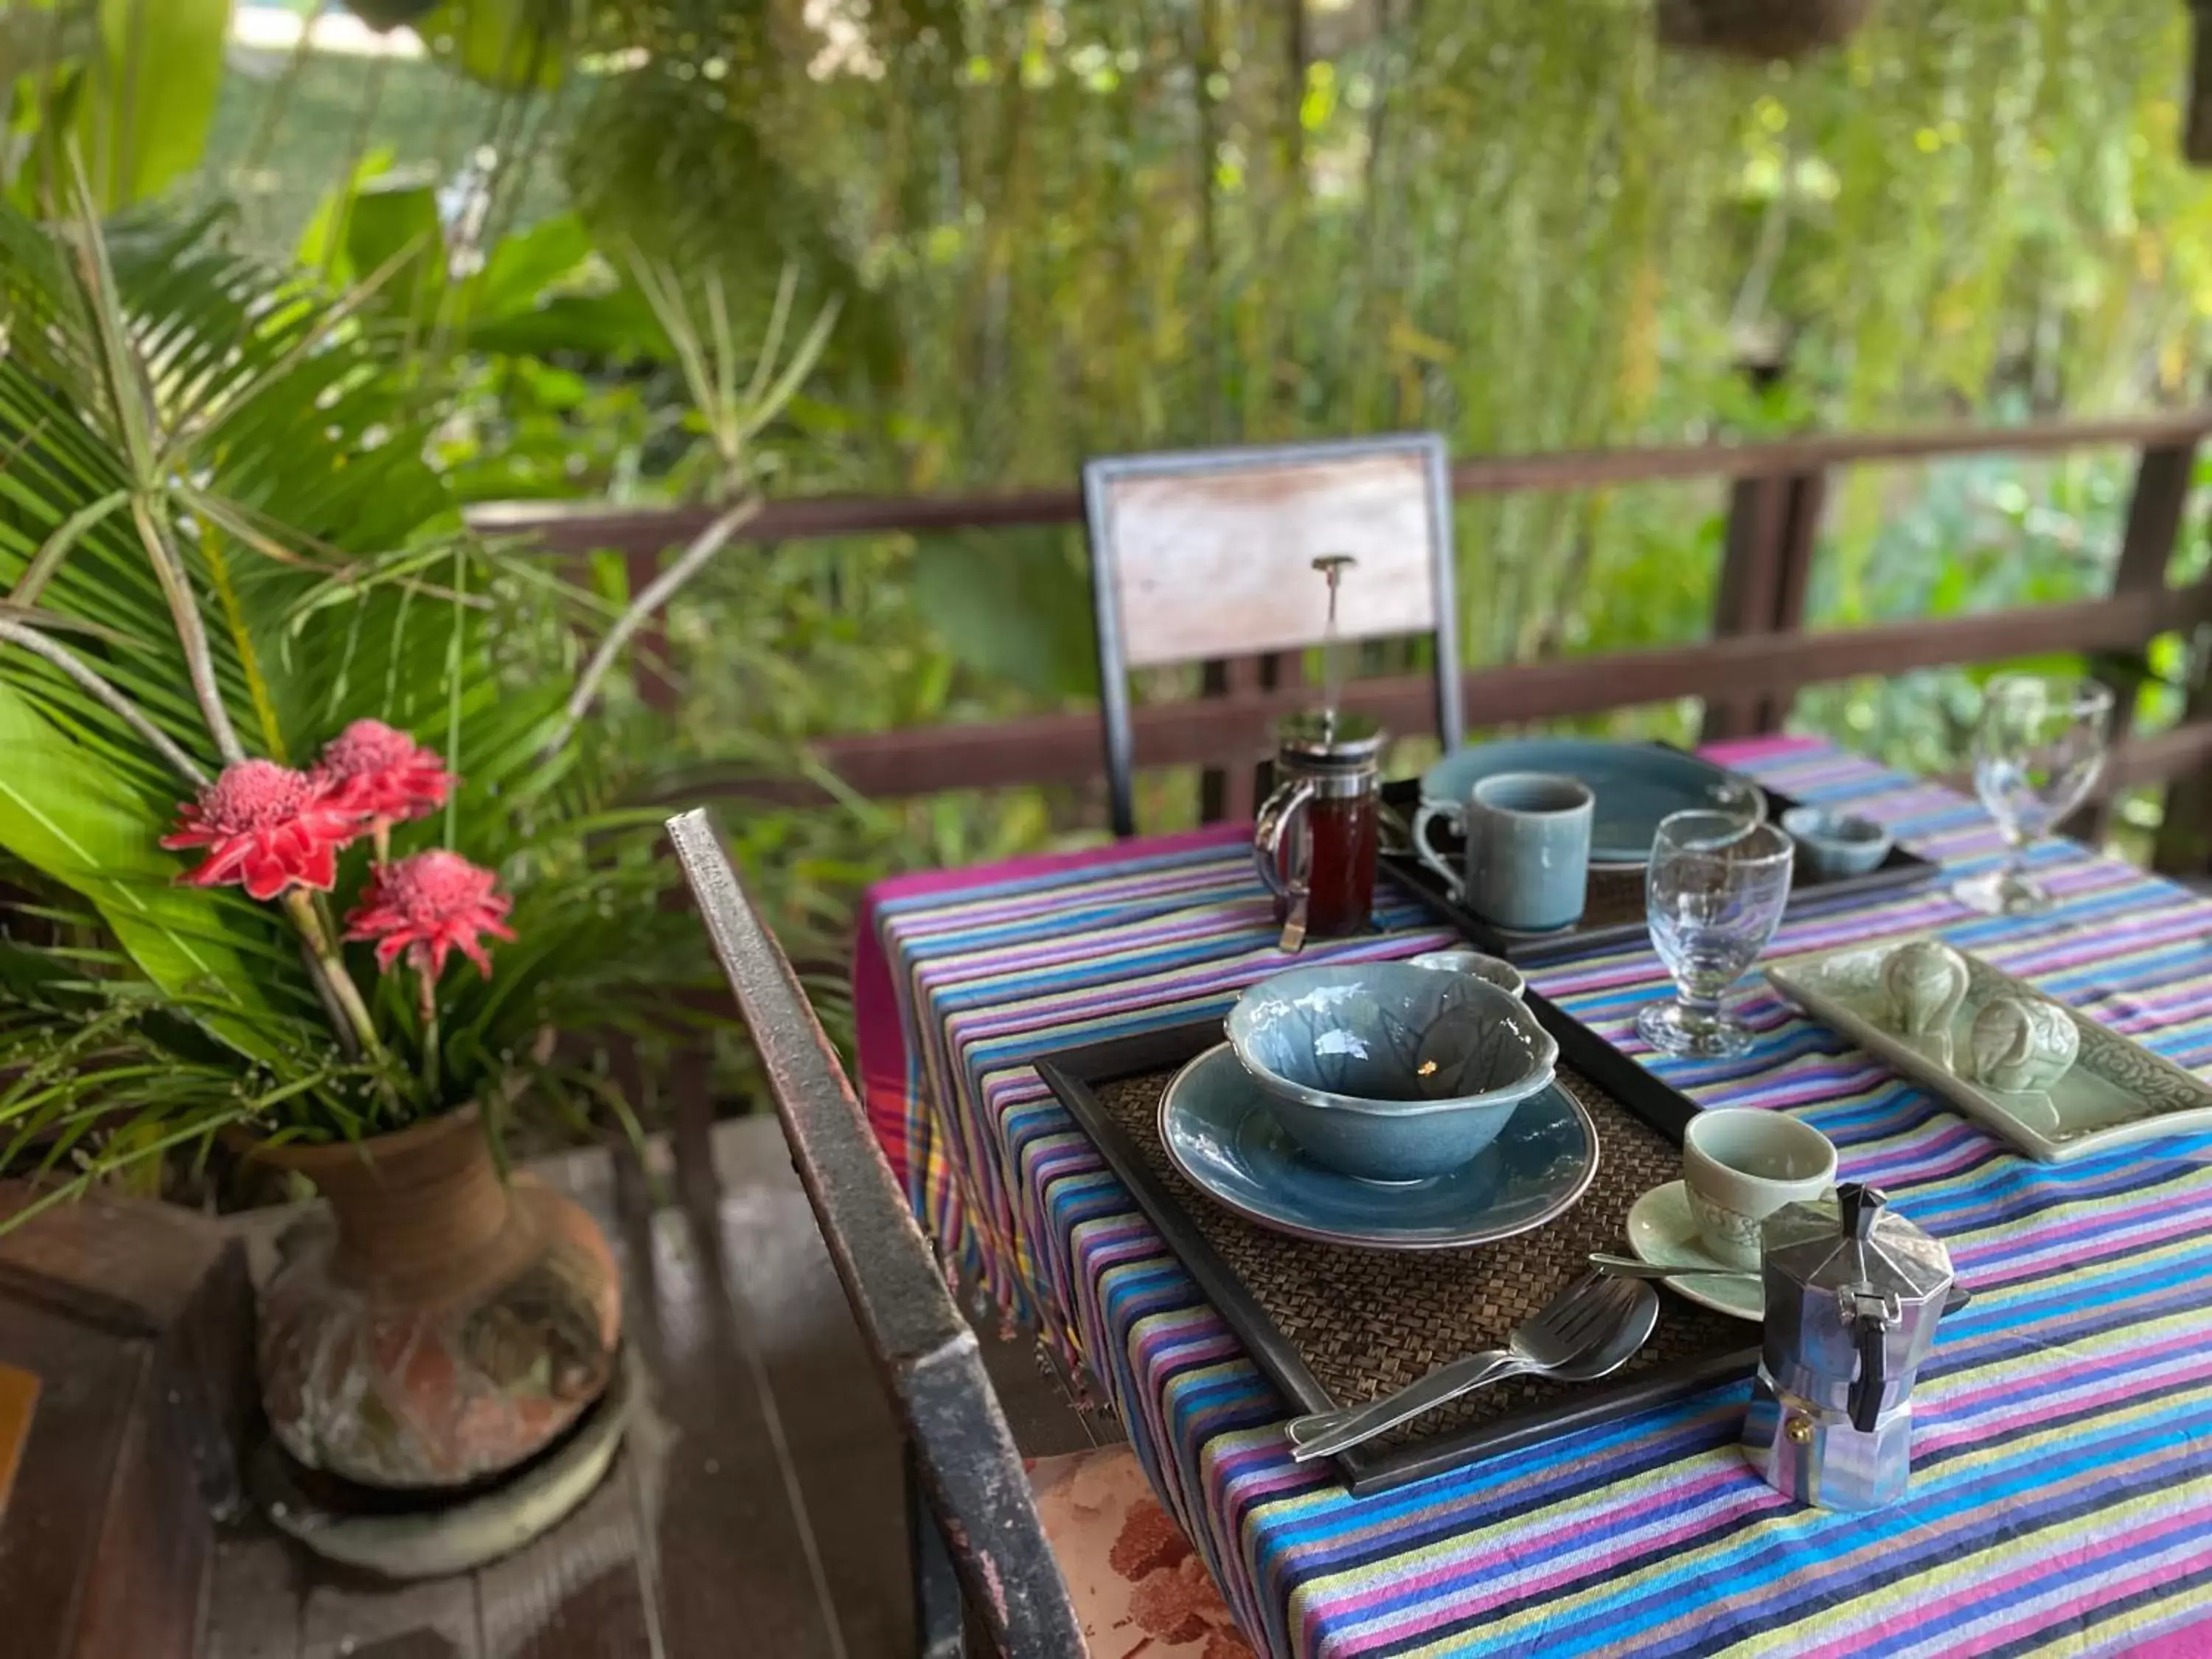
{"x":1626,"y":1342}
{"x":1629,"y":1266}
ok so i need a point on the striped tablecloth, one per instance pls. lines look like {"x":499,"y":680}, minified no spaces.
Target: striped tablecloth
{"x":2062,"y":1488}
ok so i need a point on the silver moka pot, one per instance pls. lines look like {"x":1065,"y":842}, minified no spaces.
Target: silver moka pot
{"x":1854,"y":1291}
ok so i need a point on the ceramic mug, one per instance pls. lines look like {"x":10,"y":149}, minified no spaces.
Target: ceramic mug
{"x":1528,"y":848}
{"x":1926,"y":982}
{"x":2020,"y":1043}
{"x":1740,"y":1164}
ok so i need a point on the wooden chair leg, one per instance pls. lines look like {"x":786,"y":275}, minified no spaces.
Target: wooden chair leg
{"x":939,"y":1620}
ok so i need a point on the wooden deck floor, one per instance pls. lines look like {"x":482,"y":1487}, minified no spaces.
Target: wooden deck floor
{"x":757,"y":1508}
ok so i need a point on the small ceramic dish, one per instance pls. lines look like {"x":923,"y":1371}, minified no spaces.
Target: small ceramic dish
{"x":1388,"y":1072}
{"x":1496,"y":969}
{"x":1832,"y":845}
{"x":1225,"y":1135}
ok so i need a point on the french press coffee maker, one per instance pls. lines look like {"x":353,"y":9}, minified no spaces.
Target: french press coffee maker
{"x":1854,"y":1291}
{"x":1315,"y":837}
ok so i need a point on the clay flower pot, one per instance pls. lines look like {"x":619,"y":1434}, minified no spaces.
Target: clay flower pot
{"x":439,"y":1326}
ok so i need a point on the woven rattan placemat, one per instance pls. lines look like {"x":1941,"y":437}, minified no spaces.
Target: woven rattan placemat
{"x":1367,"y":1322}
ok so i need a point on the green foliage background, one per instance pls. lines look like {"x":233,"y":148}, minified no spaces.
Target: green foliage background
{"x":1098,"y":225}
{"x":1062,"y":227}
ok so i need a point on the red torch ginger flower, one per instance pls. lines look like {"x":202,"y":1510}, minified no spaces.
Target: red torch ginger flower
{"x":427,"y":905}
{"x":268,"y":827}
{"x":384,"y":773}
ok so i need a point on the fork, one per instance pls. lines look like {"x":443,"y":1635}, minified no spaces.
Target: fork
{"x":1574,"y":1322}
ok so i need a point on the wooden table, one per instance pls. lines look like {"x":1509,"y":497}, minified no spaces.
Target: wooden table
{"x":2062,"y":1484}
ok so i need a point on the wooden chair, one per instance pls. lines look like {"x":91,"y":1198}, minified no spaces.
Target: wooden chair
{"x":1206,"y":555}
{"x":1038,"y":1559}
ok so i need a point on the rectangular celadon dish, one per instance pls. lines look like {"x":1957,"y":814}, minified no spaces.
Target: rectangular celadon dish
{"x":2117,"y":1091}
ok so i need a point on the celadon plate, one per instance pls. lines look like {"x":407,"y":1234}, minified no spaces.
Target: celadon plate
{"x":2117,"y":1091}
{"x":1219,"y":1129}
{"x":1636,"y":784}
{"x":1662,"y":1231}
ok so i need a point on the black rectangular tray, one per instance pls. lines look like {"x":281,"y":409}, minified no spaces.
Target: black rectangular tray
{"x":1899,"y":871}
{"x":1070,"y":1073}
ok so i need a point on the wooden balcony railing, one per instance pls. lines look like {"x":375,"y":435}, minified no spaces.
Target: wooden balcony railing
{"x":1746,"y":673}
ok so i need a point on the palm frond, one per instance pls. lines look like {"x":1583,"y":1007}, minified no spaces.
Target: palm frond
{"x":219,"y":535}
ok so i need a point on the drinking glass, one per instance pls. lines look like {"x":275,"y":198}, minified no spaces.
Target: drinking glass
{"x":1714,"y":893}
{"x":2037,"y":754}
{"x":1738,"y":797}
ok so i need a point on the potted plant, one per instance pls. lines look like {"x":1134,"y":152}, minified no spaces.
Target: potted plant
{"x":450,"y":1324}
{"x":322,"y":812}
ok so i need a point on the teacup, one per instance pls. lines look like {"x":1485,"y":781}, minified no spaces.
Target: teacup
{"x":1496,"y":969}
{"x":1527,"y":864}
{"x":2022,"y":1043}
{"x":1740,"y":1164}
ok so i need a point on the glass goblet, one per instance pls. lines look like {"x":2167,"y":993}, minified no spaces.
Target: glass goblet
{"x":1738,"y":797}
{"x":2037,"y":753}
{"x":1714,"y":894}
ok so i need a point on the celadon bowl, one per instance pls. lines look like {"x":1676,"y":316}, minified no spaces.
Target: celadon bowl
{"x":1499,"y":972}
{"x":1388,"y":1072}
{"x":1835,"y":844}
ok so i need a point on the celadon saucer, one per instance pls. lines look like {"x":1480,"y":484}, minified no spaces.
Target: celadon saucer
{"x":1662,"y":1231}
{"x":1219,"y":1129}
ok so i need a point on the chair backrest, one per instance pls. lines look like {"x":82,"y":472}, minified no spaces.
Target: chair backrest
{"x":933,"y":1367}
{"x":1207,"y":555}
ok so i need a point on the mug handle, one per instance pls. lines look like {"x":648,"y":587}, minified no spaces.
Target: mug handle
{"x":1454,"y":881}
{"x":1282,"y":814}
